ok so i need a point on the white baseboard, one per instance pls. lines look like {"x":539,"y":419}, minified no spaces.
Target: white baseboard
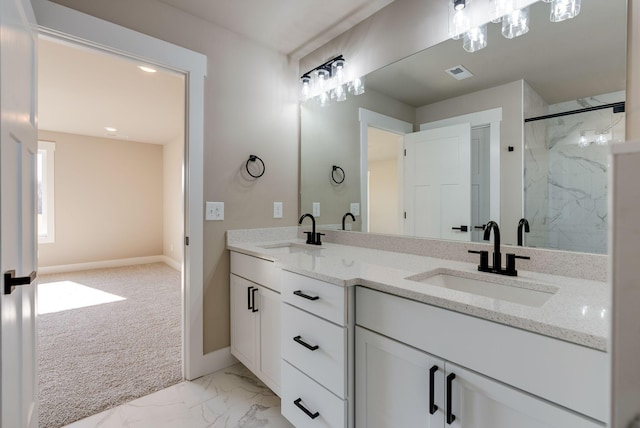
{"x":109,"y":264}
{"x":212,"y":362}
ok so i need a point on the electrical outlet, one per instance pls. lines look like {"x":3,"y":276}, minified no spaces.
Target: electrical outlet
{"x":277,"y":210}
{"x":214,"y":211}
{"x":316,"y":209}
{"x":355,"y":208}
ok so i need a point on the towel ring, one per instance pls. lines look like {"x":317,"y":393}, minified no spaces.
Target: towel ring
{"x":333,"y":174}
{"x":253,"y":158}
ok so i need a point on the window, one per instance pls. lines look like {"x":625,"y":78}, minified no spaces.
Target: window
{"x":45,"y":192}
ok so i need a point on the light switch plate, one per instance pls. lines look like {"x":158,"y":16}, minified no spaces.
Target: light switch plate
{"x":316,"y":209}
{"x":214,"y":211}
{"x":277,"y":210}
{"x":355,"y":208}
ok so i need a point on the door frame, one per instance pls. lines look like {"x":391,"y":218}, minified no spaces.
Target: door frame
{"x":69,"y":25}
{"x":491,"y":117}
{"x":369,"y":118}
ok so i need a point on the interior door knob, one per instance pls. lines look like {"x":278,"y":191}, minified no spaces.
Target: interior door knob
{"x":11,"y":280}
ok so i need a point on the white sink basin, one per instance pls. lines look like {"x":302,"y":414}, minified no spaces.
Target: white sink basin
{"x":505,"y":289}
{"x":291,"y":248}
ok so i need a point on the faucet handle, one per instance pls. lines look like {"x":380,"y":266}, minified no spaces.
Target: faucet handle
{"x":484,"y":260}
{"x":318,"y":241}
{"x":511,"y":263}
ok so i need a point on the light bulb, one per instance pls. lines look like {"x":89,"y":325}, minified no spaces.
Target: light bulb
{"x":459,"y":4}
{"x":459,"y":24}
{"x":562,"y":10}
{"x":516,"y":23}
{"x":475,"y":39}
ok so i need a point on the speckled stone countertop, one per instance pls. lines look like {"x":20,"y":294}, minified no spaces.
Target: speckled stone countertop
{"x":578,"y":312}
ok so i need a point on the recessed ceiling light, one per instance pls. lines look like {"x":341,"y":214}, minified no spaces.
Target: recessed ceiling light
{"x":110,"y":129}
{"x":147,"y":69}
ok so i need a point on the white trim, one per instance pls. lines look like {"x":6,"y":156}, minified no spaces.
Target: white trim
{"x":386,"y":123}
{"x":491,"y":117}
{"x":102,"y":264}
{"x":68,"y":24}
{"x":48,"y":197}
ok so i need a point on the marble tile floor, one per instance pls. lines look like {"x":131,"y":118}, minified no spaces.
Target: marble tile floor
{"x":229,"y":398}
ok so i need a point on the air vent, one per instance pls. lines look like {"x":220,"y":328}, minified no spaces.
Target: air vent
{"x":459,"y":72}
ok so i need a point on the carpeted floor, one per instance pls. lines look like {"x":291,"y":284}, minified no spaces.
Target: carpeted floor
{"x":96,"y":357}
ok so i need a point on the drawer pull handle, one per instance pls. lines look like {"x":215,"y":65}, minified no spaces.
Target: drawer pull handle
{"x":304,"y":409}
{"x":432,"y":405}
{"x":450,"y":416}
{"x":249,"y":298}
{"x":305,"y":344}
{"x":253,"y":300}
{"x":306,"y":296}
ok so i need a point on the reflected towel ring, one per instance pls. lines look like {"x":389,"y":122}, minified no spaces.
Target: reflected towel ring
{"x":253,"y":158}
{"x":333,"y":174}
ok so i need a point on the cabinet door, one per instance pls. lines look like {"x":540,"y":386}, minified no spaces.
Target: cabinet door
{"x":268,"y":305}
{"x":394,"y":383}
{"x":479,"y":402}
{"x":243,"y":321}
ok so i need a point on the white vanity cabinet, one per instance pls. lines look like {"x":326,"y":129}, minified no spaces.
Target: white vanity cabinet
{"x":317,"y":352}
{"x":405,"y":377}
{"x":255,"y":317}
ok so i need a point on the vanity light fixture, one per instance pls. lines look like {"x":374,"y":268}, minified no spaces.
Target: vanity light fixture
{"x":515,"y":22}
{"x":582,"y":142}
{"x":329,"y":81}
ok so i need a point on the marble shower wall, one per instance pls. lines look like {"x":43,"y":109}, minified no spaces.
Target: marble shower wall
{"x":565,"y":184}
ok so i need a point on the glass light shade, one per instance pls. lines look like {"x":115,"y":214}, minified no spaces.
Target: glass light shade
{"x":562,"y":10}
{"x":500,"y":8}
{"x":460,"y":24}
{"x":582,"y":142}
{"x":602,"y":140}
{"x":339,"y":93}
{"x":516,"y":23}
{"x":475,"y":39}
{"x":324,"y":99}
{"x":357,"y":86}
{"x":337,"y":70}
{"x":305,"y":88}
{"x":321,"y":79}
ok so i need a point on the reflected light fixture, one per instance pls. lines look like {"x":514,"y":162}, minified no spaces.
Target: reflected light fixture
{"x":475,"y":39}
{"x":561,"y":10}
{"x":328,"y":82}
{"x":110,"y":129}
{"x":582,"y":142}
{"x":602,"y":139}
{"x":516,"y":23}
{"x":459,"y":4}
{"x":147,"y":69}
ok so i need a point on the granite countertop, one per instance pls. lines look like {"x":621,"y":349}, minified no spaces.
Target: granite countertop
{"x":578,"y":311}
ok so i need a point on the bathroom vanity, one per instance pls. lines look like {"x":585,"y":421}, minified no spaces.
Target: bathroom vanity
{"x":373,"y":338}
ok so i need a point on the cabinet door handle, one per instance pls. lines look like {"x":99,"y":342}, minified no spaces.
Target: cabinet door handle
{"x":253,"y":300}
{"x":432,"y":404}
{"x":249,"y":298}
{"x":306,"y":296}
{"x":450,"y":416}
{"x":304,"y":409}
{"x":305,"y":344}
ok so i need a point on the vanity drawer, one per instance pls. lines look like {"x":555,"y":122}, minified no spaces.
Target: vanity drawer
{"x":327,"y":363}
{"x":254,"y":269}
{"x":318,"y":297}
{"x":313,"y":397}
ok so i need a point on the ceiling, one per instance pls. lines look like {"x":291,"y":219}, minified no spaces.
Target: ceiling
{"x":82,"y":91}
{"x":561,"y":61}
{"x":292,"y":27}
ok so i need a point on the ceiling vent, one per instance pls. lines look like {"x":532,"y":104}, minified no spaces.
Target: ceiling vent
{"x":459,"y":72}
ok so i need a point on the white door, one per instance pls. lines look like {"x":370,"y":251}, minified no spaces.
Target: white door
{"x":243,"y":321}
{"x":438,"y":183}
{"x":480,"y":193}
{"x":477,"y":401}
{"x":396,"y":385}
{"x":18,"y":234}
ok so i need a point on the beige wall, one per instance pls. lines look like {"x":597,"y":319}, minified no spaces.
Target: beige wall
{"x":251,"y":107}
{"x":633,"y":71}
{"x":108,"y":200}
{"x":383,"y":202}
{"x":173,"y":200}
{"x":509,"y":97}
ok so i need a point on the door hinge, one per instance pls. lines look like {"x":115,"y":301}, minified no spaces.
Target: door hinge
{"x":186,"y":240}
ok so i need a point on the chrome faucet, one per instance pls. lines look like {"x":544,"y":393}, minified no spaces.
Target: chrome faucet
{"x":497,"y":257}
{"x":522,"y":223}
{"x":344,"y":217}
{"x":313,"y":238}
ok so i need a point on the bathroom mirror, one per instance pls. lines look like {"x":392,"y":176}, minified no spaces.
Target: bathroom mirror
{"x":531,"y":170}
